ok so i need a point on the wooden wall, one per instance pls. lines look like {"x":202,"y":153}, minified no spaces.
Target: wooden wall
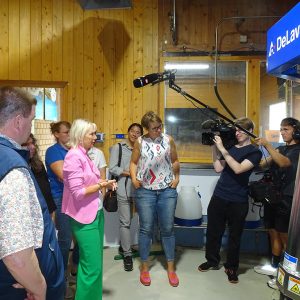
{"x":99,"y":52}
{"x":196,"y":22}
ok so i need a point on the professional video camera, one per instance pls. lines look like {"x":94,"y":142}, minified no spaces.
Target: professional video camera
{"x":218,"y":127}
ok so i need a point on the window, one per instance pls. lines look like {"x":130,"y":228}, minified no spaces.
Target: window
{"x":183,"y":117}
{"x":279,"y":98}
{"x":47,"y":102}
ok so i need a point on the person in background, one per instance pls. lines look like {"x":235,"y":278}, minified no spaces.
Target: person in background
{"x":154,"y":170}
{"x":125,"y":191}
{"x":229,"y":202}
{"x":37,"y":167}
{"x":283,"y":162}
{"x":82,"y":202}
{"x":31,"y":265}
{"x":98,"y":158}
{"x":54,"y":159}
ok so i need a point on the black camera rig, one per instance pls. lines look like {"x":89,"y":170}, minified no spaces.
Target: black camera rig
{"x":216,"y":126}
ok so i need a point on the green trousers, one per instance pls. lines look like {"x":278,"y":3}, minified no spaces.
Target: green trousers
{"x":90,"y":241}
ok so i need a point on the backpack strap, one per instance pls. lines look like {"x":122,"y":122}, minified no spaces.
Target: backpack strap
{"x":120,"y":154}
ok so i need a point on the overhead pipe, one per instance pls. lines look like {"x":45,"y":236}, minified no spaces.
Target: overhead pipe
{"x":173,"y":29}
{"x":216,"y":55}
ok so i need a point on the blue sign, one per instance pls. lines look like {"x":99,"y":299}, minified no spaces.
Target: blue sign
{"x":283,"y":46}
{"x":290,"y":258}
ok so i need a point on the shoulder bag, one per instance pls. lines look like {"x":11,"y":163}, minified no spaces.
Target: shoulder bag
{"x":110,"y":201}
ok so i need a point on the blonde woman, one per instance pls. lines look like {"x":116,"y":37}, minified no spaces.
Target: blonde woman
{"x":82,"y":202}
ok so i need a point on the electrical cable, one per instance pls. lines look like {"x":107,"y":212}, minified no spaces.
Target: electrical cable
{"x":216,"y":56}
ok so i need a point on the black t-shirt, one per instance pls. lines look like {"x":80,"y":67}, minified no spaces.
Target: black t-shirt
{"x":284,"y":178}
{"x":234,"y":187}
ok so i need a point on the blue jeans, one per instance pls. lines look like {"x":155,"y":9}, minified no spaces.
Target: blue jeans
{"x":64,"y":233}
{"x":160,"y":204}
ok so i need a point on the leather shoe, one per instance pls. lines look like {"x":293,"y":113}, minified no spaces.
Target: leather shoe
{"x":145,"y":278}
{"x":173,"y":279}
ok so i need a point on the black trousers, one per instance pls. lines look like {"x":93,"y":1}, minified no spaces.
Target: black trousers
{"x":221,"y":213}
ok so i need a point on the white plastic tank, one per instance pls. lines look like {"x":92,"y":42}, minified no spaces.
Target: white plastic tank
{"x":189,"y":208}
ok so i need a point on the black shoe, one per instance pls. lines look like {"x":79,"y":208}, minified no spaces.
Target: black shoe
{"x":128,"y":264}
{"x":232,"y":276}
{"x":121,"y":251}
{"x":206,"y":267}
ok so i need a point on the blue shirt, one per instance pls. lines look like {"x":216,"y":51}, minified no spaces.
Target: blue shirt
{"x":55,"y":153}
{"x":234,"y":187}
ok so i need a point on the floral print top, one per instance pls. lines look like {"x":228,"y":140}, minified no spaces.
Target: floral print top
{"x":154,"y":168}
{"x":21,"y":219}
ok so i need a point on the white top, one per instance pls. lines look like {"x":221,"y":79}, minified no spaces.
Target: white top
{"x":97,"y":156}
{"x":154,"y":168}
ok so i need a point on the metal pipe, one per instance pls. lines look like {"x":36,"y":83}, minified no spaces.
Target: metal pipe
{"x":216,"y":54}
{"x":293,"y":246}
{"x":288,"y":276}
{"x":174,"y":33}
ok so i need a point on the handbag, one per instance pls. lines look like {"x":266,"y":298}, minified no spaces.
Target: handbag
{"x":110,"y":201}
{"x":265,"y":190}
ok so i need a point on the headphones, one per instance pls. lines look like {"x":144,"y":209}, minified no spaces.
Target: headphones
{"x":296,"y":133}
{"x":296,"y":124}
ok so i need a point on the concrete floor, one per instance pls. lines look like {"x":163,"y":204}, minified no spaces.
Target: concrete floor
{"x":212,"y":285}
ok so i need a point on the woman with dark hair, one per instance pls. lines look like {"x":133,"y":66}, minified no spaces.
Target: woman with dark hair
{"x":154,"y":169}
{"x":54,"y":159}
{"x":125,"y":191}
{"x":39,"y":171}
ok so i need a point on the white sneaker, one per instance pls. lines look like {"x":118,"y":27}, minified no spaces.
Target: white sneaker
{"x":266,"y":270}
{"x":272,"y":284}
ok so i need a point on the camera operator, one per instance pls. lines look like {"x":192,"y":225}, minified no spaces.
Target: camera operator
{"x":283,"y":163}
{"x":229,"y":202}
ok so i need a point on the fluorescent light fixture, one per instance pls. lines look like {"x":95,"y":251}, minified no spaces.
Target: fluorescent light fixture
{"x":191,"y":66}
{"x":172,"y":119}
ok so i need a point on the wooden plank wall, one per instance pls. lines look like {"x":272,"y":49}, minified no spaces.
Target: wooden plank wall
{"x":196,"y":22}
{"x":99,"y":52}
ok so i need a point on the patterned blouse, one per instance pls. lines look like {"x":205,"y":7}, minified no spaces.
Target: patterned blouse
{"x":154,"y":168}
{"x":21,"y":219}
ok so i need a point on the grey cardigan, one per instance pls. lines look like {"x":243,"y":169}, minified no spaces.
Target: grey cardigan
{"x":117,"y":171}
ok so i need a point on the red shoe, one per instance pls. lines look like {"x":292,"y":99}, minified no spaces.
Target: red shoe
{"x":173,"y":279}
{"x":145,"y":278}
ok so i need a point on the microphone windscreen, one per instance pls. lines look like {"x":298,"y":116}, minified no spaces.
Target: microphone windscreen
{"x":142,"y":81}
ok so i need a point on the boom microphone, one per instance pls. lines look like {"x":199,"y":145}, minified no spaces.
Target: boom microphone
{"x":142,"y":81}
{"x":153,"y":78}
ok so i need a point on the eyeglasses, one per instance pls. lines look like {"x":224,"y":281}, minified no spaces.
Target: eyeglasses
{"x":160,"y":127}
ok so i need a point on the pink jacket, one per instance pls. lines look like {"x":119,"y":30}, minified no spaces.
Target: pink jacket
{"x":80,"y":172}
